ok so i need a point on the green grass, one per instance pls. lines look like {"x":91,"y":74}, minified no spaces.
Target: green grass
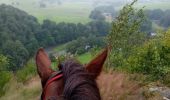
{"x":74,"y":12}
{"x":60,"y":47}
{"x":84,"y":58}
{"x":154,"y":5}
{"x":27,"y":72}
{"x":150,"y":5}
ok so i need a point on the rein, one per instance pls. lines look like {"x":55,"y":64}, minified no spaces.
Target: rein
{"x":55,"y":76}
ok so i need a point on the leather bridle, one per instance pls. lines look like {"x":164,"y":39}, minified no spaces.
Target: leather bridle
{"x":55,"y":76}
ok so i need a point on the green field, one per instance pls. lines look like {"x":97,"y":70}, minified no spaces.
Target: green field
{"x":74,"y":12}
{"x":83,"y":58}
{"x":154,"y":5}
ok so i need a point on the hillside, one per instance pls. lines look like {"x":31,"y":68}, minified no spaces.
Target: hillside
{"x":122,"y":87}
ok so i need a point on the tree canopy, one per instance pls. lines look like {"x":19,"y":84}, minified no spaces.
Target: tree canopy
{"x":21,"y":34}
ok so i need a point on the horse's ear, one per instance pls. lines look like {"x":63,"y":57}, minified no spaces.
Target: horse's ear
{"x":95,"y":66}
{"x":43,"y":63}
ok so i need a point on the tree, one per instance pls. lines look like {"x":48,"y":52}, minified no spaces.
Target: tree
{"x":4,"y":63}
{"x":146,"y":26}
{"x":5,"y":76}
{"x":97,"y":15}
{"x":16,"y":53}
{"x":165,"y":20}
{"x":125,"y":34}
{"x":21,"y":34}
{"x":154,"y":14}
{"x":152,"y":58}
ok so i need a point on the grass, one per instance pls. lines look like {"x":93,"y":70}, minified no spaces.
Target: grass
{"x":20,"y":91}
{"x":150,"y":5}
{"x":60,"y":47}
{"x":154,"y":5}
{"x":84,"y":58}
{"x":27,"y":72}
{"x":73,"y":12}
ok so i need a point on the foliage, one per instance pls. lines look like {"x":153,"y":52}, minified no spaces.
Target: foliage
{"x":125,"y":34}
{"x":132,"y":51}
{"x":146,"y":26}
{"x":83,"y":44}
{"x":17,"y":54}
{"x":4,"y":63}
{"x":85,"y":58}
{"x":165,"y":20}
{"x":96,"y":15}
{"x":154,"y":14}
{"x":162,"y":20}
{"x":94,"y":50}
{"x":21,"y":34}
{"x":27,"y":72}
{"x":5,"y":76}
{"x":153,"y":58}
{"x":17,"y":41}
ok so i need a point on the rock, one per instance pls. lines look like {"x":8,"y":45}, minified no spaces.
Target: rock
{"x":163,"y":91}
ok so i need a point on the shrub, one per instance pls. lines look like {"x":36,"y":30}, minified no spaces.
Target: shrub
{"x":5,"y":77}
{"x":153,"y":58}
{"x":27,"y":72}
{"x":84,"y":44}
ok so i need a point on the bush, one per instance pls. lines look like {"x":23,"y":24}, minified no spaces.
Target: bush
{"x":5,"y":77}
{"x":84,"y":44}
{"x":152,"y":59}
{"x":27,"y":72}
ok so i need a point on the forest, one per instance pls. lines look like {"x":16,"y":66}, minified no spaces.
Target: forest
{"x":21,"y":34}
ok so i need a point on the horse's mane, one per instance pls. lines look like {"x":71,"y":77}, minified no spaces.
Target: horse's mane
{"x":79,"y":85}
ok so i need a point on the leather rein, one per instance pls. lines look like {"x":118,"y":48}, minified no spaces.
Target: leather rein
{"x":55,"y":76}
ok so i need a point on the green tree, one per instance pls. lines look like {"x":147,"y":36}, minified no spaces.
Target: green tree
{"x":16,"y":53}
{"x":165,"y":20}
{"x":125,"y":34}
{"x":3,"y":63}
{"x":152,"y":58}
{"x":5,"y":76}
{"x":97,"y":15}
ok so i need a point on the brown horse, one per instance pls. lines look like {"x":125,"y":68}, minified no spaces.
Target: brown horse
{"x":73,"y":82}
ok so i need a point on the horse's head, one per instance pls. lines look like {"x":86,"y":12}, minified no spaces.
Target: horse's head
{"x":53,"y":82}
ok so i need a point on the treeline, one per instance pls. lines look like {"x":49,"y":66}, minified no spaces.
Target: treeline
{"x":100,"y":12}
{"x":161,"y":17}
{"x":21,"y":34}
{"x":108,"y":13}
{"x":85,"y":44}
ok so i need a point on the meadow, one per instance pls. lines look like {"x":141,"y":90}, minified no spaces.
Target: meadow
{"x":83,"y":58}
{"x":154,"y":5}
{"x":73,"y":12}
